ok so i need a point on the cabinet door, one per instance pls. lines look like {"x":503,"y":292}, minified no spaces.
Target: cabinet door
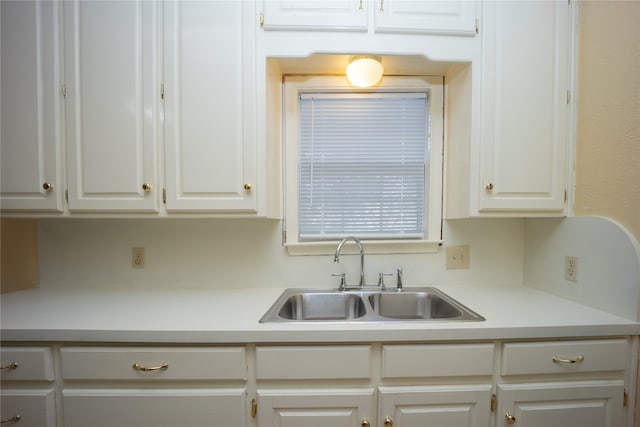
{"x":524,"y":112}
{"x":584,"y":404}
{"x":158,"y":408}
{"x":28,"y":408}
{"x":112,"y":105}
{"x":336,"y":15}
{"x":307,"y":408}
{"x":210,"y":106}
{"x":30,"y":167}
{"x":452,"y":17}
{"x":454,"y":406}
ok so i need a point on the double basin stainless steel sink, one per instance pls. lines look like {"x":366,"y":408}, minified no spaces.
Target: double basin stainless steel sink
{"x":367,"y":305}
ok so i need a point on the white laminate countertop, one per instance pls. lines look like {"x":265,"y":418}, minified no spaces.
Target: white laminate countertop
{"x":232,"y":316}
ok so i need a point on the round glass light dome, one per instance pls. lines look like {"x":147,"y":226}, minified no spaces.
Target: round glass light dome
{"x":364,"y":71}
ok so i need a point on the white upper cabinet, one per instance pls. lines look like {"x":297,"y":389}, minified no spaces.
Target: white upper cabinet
{"x":210,"y":136}
{"x":510,"y":115}
{"x":31,"y":175}
{"x":338,"y":15}
{"x":452,"y":17}
{"x":524,"y":112}
{"x":112,"y":96}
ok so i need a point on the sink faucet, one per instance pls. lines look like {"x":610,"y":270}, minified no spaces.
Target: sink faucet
{"x":336,"y":258}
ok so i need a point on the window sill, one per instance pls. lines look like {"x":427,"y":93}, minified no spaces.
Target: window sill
{"x":370,"y":247}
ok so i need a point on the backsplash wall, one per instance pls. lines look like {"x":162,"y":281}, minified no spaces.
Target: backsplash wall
{"x":223,"y":253}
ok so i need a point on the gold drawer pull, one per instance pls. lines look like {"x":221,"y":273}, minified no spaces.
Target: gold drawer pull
{"x":578,"y":359}
{"x":139,"y":367}
{"x":12,"y":366}
{"x":15,"y":419}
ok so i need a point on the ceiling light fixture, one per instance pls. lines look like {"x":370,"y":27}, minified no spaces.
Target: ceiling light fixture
{"x":364,"y":70}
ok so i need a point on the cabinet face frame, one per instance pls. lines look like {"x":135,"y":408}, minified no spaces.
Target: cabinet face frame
{"x":32,"y":178}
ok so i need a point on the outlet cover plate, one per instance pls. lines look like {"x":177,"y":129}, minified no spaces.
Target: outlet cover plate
{"x":457,"y":257}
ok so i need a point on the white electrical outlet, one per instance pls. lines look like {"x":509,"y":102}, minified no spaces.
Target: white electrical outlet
{"x":457,"y":257}
{"x":137,"y":257}
{"x":571,"y":268}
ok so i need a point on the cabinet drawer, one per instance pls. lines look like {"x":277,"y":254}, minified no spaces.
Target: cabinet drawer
{"x":313,"y":362}
{"x":161,"y":407}
{"x":564,"y":357}
{"x":438,"y":360}
{"x":140,"y":363}
{"x":26,"y":363}
{"x":29,"y":408}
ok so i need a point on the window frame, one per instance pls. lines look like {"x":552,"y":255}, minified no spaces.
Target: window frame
{"x":293,"y":86}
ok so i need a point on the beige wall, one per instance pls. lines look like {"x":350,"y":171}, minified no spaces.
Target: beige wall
{"x":18,"y":254}
{"x":608,"y":121}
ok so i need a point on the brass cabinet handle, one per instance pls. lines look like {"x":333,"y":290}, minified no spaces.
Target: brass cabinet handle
{"x":139,"y":367}
{"x":388,"y":422}
{"x":12,"y":366}
{"x":247,"y":187}
{"x":557,"y":359}
{"x":146,"y":187}
{"x":510,"y":418}
{"x":489,"y":186}
{"x":365,"y":423}
{"x":47,"y":186}
{"x":15,"y":419}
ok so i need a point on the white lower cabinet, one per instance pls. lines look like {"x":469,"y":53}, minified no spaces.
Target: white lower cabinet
{"x":570,"y":403}
{"x":316,"y":407}
{"x":27,"y":395}
{"x":28,"y":407}
{"x":407,"y":385}
{"x":438,"y":405}
{"x":154,"y":407}
{"x":154,"y":386}
{"x":564,"y":383}
{"x":553,"y":383}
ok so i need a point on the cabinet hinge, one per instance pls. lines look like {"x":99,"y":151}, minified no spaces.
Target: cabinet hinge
{"x":254,"y":408}
{"x":568,"y":96}
{"x":625,"y":398}
{"x":477,"y":25}
{"x":63,"y":90}
{"x":565,"y":196}
{"x":494,"y":403}
{"x":261,"y":19}
{"x":161,"y":91}
{"x":164,"y":196}
{"x":66,"y":196}
{"x":284,"y":231}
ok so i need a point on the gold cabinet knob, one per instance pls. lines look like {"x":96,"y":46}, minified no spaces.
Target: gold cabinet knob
{"x":388,"y":422}
{"x":489,"y":186}
{"x":510,"y":419}
{"x":146,"y":187}
{"x":47,"y":186}
{"x":365,"y":423}
{"x":247,"y":187}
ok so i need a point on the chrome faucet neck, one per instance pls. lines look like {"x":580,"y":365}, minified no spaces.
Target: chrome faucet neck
{"x":336,"y":257}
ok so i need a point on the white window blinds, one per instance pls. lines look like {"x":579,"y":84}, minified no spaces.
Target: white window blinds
{"x":362,"y":165}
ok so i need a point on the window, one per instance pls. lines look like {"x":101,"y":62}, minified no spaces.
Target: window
{"x":363,"y":163}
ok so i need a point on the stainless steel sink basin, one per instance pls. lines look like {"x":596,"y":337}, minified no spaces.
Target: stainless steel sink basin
{"x":413,"y":305}
{"x":372,"y":305}
{"x":322,"y":306}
